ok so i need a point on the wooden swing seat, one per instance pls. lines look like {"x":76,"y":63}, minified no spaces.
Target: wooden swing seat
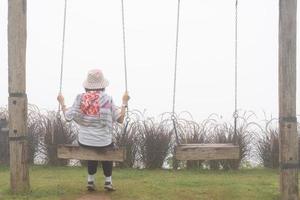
{"x":90,"y":153}
{"x":207,"y":152}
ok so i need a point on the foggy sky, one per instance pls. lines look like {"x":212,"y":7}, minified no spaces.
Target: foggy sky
{"x":205,"y":82}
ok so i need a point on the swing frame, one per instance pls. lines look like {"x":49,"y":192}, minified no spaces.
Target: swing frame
{"x":287,"y":98}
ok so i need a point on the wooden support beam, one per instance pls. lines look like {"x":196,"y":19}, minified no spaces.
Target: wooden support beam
{"x":90,"y":153}
{"x":207,"y":152}
{"x":17,"y":95}
{"x":288,"y":142}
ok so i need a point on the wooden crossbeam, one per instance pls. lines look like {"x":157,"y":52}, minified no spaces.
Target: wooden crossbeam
{"x":89,"y":153}
{"x":207,"y":152}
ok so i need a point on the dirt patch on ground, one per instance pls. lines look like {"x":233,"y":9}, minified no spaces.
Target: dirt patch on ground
{"x":94,"y":196}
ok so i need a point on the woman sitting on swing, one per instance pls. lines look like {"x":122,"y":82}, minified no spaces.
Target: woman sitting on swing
{"x":95,"y":112}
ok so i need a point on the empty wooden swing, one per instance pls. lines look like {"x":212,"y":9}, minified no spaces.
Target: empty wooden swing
{"x":206,"y":151}
{"x":68,"y":151}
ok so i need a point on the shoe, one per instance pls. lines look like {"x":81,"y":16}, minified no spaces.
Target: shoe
{"x":91,"y":186}
{"x":109,"y":187}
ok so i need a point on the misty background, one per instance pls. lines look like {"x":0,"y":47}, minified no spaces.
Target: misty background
{"x":205,"y":76}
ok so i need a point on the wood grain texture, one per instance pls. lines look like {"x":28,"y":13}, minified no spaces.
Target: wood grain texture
{"x":89,"y":153}
{"x":287,"y":98}
{"x":17,"y":116}
{"x":19,"y":174}
{"x":17,"y":30}
{"x":207,"y":152}
{"x":17,"y":34}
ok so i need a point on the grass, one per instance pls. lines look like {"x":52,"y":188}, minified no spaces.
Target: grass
{"x":67,"y":183}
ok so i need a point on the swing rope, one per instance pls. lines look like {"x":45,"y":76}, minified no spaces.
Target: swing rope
{"x":58,"y":116}
{"x":124,"y":45}
{"x":175,"y":73}
{"x":235,"y":114}
{"x":62,"y":55}
{"x":62,"y":62}
{"x":125,"y":62}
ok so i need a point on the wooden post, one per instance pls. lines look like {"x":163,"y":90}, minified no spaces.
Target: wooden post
{"x":287,"y":100}
{"x":19,"y":176}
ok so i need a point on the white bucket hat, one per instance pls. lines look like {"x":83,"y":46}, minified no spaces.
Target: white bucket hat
{"x":95,"y":80}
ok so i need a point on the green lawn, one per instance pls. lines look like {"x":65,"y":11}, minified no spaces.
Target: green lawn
{"x":67,"y":183}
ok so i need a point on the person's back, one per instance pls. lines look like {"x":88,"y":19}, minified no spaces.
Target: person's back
{"x":95,"y":112}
